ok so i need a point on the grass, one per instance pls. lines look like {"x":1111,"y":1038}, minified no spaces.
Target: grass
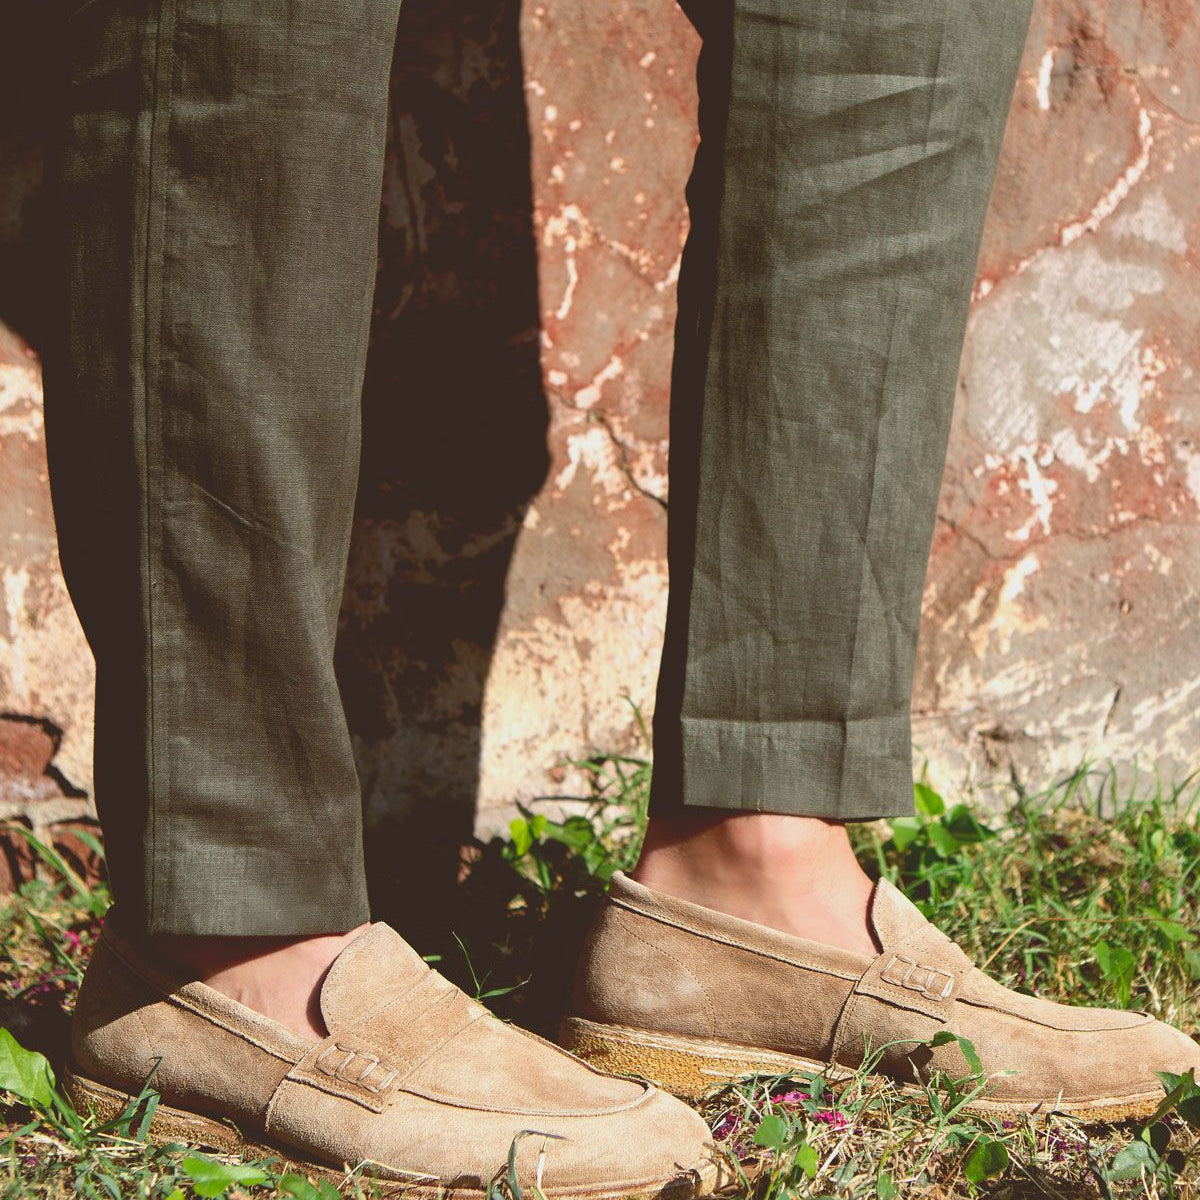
{"x":1051,"y":896}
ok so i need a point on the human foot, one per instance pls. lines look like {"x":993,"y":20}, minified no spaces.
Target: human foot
{"x":794,"y":874}
{"x":277,"y":977}
{"x":415,"y":1080}
{"x":688,"y":998}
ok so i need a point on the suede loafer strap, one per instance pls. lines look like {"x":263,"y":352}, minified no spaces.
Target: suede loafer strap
{"x":368,"y":1060}
{"x":921,"y":972}
{"x":346,"y":1065}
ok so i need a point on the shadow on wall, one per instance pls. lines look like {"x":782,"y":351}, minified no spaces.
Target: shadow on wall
{"x":454,"y":445}
{"x":455,"y":418}
{"x":27,"y":108}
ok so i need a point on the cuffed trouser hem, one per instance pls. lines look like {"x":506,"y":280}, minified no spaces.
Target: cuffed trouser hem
{"x":846,"y":157}
{"x":257,"y":891}
{"x":857,"y":770}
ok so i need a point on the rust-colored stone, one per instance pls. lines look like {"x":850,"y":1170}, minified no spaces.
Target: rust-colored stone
{"x":26,"y":748}
{"x":20,"y":861}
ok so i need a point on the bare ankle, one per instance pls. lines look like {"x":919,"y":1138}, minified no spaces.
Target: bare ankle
{"x":279,"y":977}
{"x":796,"y":874}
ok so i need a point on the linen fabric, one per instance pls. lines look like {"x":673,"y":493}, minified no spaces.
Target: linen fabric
{"x":219,"y":186}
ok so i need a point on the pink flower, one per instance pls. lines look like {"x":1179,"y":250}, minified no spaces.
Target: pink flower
{"x":792,"y":1097}
{"x":831,"y":1117}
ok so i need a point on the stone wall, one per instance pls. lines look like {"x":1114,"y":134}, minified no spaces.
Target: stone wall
{"x":507,"y":585}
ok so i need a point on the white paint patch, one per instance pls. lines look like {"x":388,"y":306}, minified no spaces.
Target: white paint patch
{"x":668,"y":282}
{"x":1014,"y":581}
{"x":588,"y":395}
{"x":1161,"y":563}
{"x":1155,"y":222}
{"x":1103,"y":208}
{"x":16,"y":585}
{"x":595,"y":450}
{"x":45,"y":664}
{"x":1008,"y":616}
{"x":568,"y":296}
{"x":1071,"y":452}
{"x":569,"y":227}
{"x":1119,"y":379}
{"x":1149,"y":713}
{"x":562,"y":684}
{"x":1060,"y":329}
{"x":1107,"y":204}
{"x":1045,"y":71}
{"x":1191,"y":473}
{"x":20,"y":403}
{"x":1039,"y":490}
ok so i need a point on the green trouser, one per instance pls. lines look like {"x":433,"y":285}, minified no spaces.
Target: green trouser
{"x":220,"y":184}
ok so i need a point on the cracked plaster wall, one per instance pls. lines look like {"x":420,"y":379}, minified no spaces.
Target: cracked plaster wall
{"x":507,"y":585}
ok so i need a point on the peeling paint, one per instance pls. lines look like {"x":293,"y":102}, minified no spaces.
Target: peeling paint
{"x":1107,"y":204}
{"x":1045,"y":71}
{"x":20,"y":403}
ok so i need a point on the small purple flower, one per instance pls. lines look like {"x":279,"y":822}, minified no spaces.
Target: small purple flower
{"x":831,"y":1117}
{"x":727,"y":1126}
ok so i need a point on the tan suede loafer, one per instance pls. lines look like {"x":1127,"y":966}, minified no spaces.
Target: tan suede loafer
{"x":417,"y":1081}
{"x":688,"y":998}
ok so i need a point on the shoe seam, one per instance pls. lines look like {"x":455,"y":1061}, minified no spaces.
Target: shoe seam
{"x":710,"y":1008}
{"x":403,"y":1087}
{"x":732,"y":943}
{"x":287,"y":1146}
{"x":1062,"y":1098}
{"x":984,"y":1004}
{"x":212,"y":1019}
{"x":115,"y":946}
{"x":407,"y":995}
{"x":583,"y":1062}
{"x":431,"y":1052}
{"x":179,"y":1001}
{"x":566,"y":1114}
{"x":841,"y":1029}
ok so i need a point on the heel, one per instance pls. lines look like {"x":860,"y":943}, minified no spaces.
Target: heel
{"x":167,"y":1125}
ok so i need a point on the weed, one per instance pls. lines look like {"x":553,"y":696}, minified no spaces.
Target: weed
{"x":1064,"y":893}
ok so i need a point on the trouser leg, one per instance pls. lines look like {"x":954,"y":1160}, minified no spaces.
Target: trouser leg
{"x":220,"y":184}
{"x":847,"y":153}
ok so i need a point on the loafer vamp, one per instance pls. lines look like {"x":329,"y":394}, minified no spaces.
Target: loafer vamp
{"x":1032,"y":1050}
